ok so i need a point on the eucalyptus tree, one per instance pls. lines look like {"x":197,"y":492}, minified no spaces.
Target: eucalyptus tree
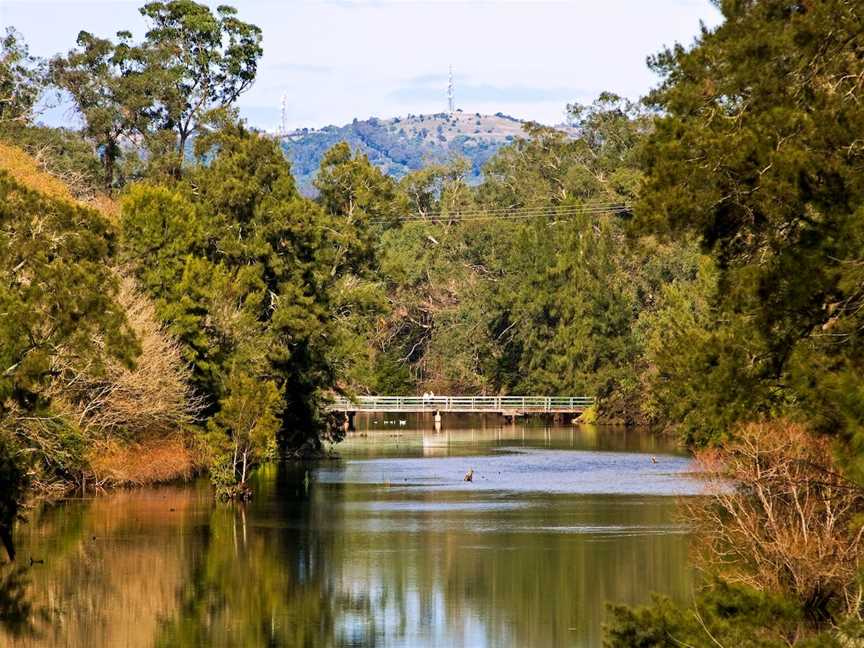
{"x":197,"y":62}
{"x":22,"y":79}
{"x":189,"y":69}
{"x":105,"y":80}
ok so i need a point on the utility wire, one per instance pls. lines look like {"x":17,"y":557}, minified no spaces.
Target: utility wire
{"x":508,"y":214}
{"x":485,"y":210}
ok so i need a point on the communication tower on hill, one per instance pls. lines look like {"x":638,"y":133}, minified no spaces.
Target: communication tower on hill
{"x":283,"y":125}
{"x":451,"y":99}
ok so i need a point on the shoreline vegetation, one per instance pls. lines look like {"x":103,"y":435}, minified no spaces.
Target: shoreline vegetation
{"x":171,"y":303}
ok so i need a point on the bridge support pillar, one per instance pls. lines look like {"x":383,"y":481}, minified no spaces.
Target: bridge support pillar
{"x":437,"y":420}
{"x":348,"y":422}
{"x":509,"y":416}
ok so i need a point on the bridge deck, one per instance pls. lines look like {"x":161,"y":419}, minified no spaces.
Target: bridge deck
{"x":491,"y":404}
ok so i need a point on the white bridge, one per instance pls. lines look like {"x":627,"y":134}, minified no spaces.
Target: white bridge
{"x":506,"y":405}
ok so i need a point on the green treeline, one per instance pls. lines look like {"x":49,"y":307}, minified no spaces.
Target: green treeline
{"x":693,"y":260}
{"x":756,"y":151}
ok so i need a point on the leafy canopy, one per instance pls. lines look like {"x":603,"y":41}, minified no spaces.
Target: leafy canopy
{"x":22,"y":79}
{"x":756,"y":152}
{"x":190,"y":68}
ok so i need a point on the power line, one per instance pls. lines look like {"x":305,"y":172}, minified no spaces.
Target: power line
{"x":509,"y":210}
{"x":509,"y":213}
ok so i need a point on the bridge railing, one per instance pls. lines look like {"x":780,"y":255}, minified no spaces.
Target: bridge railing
{"x":463,"y":403}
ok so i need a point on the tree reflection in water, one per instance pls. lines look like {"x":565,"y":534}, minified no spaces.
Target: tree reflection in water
{"x":258,"y":584}
{"x":342,"y":557}
{"x":18,"y":616}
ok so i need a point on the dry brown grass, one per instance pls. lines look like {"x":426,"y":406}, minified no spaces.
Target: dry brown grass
{"x":107,"y":206}
{"x":134,"y":421}
{"x":133,"y":418}
{"x":26,"y":170}
{"x":33,"y":172}
{"x":152,"y":461}
{"x":781,"y":517}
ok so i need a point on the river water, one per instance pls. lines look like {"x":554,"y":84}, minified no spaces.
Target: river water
{"x":385,"y":546}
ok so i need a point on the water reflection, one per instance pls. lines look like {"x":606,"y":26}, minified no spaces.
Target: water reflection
{"x":384,"y":547}
{"x":18,"y":615}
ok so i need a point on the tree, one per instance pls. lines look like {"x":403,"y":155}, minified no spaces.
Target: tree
{"x":570,"y":288}
{"x":756,"y":152}
{"x":58,"y":291}
{"x":791,"y":523}
{"x":240,"y":265}
{"x":685,"y":335}
{"x":197,"y":63}
{"x":57,"y":296}
{"x":361,"y":200}
{"x":22,"y":79}
{"x":104,"y":80}
{"x":437,"y":190}
{"x":160,"y":228}
{"x":548,"y":167}
{"x":243,"y":432}
{"x":190,"y":68}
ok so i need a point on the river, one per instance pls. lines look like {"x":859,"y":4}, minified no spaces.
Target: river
{"x":385,"y":546}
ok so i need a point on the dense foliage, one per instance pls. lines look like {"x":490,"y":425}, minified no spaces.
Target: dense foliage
{"x":722,"y":615}
{"x":559,"y":300}
{"x":756,"y":151}
{"x":57,"y":298}
{"x":241,"y":267}
{"x":694,"y":261}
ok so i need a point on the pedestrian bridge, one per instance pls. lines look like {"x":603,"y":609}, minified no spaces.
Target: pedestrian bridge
{"x":506,"y":405}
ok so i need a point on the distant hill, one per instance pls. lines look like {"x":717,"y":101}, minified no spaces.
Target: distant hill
{"x":404,"y":144}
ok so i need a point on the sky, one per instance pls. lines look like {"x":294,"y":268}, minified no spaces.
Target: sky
{"x":336,"y":60}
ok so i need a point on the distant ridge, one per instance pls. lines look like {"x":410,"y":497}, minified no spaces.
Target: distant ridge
{"x":403,"y":144}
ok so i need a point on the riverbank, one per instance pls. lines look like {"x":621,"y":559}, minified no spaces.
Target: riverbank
{"x":100,"y":419}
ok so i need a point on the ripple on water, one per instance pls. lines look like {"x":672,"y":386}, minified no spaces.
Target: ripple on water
{"x":527,"y":471}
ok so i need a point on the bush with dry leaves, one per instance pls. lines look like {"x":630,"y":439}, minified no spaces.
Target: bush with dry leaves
{"x":780,"y":517}
{"x":150,"y":399}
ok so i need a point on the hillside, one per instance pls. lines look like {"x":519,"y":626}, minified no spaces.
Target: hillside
{"x":401,"y":145}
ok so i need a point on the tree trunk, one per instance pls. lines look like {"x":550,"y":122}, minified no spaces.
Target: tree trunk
{"x":234,"y":460}
{"x":110,"y":159}
{"x":177,"y":166}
